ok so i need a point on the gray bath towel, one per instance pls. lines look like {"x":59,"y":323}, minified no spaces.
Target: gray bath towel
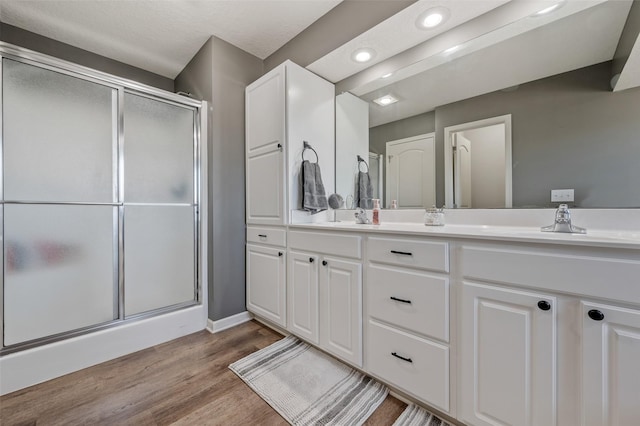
{"x":314,"y":199}
{"x":364,"y":191}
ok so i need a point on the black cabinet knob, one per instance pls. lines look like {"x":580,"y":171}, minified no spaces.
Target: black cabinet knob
{"x":280,"y":146}
{"x":325,"y":263}
{"x":595,"y":315}
{"x":311,"y":259}
{"x":280,"y":253}
{"x":544,"y":305}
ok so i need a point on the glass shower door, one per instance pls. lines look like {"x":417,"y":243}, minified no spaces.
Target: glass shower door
{"x":59,"y":246}
{"x":159,"y":204}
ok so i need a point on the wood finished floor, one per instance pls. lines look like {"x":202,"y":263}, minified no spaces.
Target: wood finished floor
{"x":182,"y":382}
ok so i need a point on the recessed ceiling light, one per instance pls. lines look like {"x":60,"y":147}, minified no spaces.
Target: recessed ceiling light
{"x":433,"y":17}
{"x":363,"y":55}
{"x":548,"y":9}
{"x":385,"y":100}
{"x":386,"y":75}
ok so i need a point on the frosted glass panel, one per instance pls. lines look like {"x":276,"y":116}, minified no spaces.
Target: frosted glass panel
{"x":58,"y":267}
{"x":58,"y":136}
{"x":158,"y":257}
{"x":158,"y":151}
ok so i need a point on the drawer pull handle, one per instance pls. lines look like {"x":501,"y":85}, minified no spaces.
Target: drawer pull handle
{"x":400,"y":300}
{"x":262,"y":235}
{"x":280,"y":146}
{"x":544,"y":305}
{"x":401,"y":357}
{"x":280,"y":254}
{"x":595,"y":315}
{"x":404,"y":253}
{"x":311,"y":259}
{"x":325,"y":263}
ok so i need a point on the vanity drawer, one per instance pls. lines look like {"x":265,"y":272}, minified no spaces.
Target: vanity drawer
{"x":413,"y":253}
{"x":328,"y":243}
{"x":413,"y":300}
{"x":267,"y":235}
{"x":425,"y":370}
{"x":555,"y":270}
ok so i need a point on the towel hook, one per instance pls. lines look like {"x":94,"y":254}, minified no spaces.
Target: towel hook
{"x":306,"y":146}
{"x":360,"y":161}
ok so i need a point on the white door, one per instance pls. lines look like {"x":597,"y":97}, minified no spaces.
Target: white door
{"x":462,"y":171}
{"x":507,"y":357}
{"x":266,"y":283}
{"x":375,"y":172}
{"x":341,"y":309}
{"x":610,"y":372}
{"x":302,"y":295}
{"x":411,"y":172}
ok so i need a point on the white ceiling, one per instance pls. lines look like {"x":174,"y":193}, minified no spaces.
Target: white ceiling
{"x":161,"y":36}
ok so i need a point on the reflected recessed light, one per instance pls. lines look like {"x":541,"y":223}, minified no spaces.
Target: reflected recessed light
{"x":363,"y":55}
{"x":452,"y":49}
{"x":548,"y":9}
{"x":386,"y":75}
{"x":385,"y":100}
{"x":433,"y":17}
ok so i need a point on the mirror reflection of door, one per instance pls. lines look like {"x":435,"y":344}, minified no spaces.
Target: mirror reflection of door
{"x":478,"y":164}
{"x":375,"y":172}
{"x":462,"y":170}
{"x":411,"y":172}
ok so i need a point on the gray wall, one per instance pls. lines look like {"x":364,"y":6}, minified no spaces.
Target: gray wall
{"x":569,"y":131}
{"x":219,"y":74}
{"x":48,"y":46}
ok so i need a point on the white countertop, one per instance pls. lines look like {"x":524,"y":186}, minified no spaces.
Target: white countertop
{"x":596,"y":238}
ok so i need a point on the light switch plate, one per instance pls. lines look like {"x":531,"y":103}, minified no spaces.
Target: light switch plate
{"x":562,"y":195}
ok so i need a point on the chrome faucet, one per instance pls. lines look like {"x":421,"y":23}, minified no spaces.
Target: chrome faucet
{"x":563,"y":222}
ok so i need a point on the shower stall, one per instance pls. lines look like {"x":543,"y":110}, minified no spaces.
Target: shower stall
{"x":100,"y":201}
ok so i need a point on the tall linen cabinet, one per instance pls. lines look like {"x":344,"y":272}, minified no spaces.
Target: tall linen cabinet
{"x":284,"y":108}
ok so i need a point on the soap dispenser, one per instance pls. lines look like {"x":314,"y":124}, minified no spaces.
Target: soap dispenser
{"x":376,"y":211}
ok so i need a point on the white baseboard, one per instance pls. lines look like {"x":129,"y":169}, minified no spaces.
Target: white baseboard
{"x":228,"y":322}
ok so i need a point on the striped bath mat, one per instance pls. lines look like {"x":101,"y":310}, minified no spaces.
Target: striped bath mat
{"x":308,"y":387}
{"x":418,"y":416}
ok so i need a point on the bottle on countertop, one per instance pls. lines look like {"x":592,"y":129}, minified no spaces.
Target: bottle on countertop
{"x":376,"y":211}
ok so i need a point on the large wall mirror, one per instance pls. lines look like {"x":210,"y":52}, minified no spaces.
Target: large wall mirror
{"x":573,"y":108}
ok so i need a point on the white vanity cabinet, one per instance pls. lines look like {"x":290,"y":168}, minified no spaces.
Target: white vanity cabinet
{"x":285,"y":107}
{"x":266,"y":273}
{"x":325,"y":292}
{"x":610,"y":371}
{"x":407,"y":311}
{"x":544,"y":337}
{"x":508,"y":356}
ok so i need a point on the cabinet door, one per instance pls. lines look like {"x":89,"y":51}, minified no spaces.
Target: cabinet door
{"x":507,"y":357}
{"x":341,"y":309}
{"x":265,"y":187}
{"x":302,"y":290}
{"x":266,"y":283}
{"x":265,"y":142}
{"x":610,"y":373}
